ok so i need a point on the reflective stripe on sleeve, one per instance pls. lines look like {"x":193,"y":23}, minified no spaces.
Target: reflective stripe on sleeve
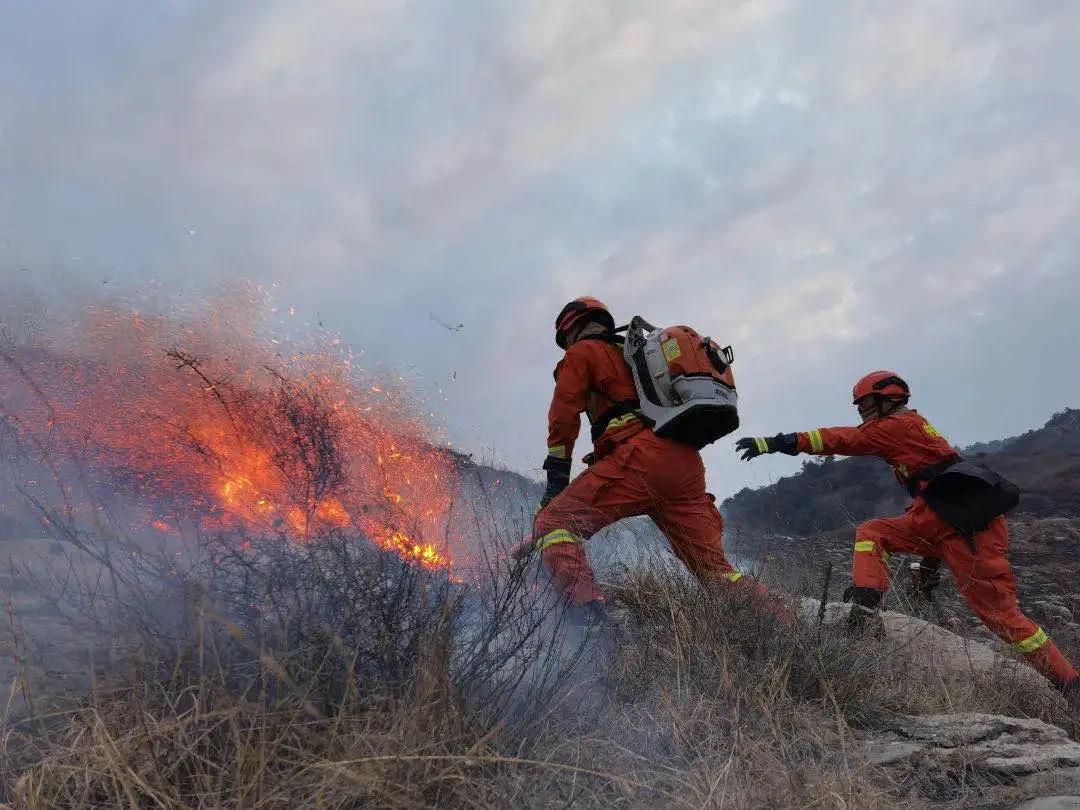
{"x":1032,"y":643}
{"x":556,"y":537}
{"x":732,"y":576}
{"x":817,"y":444}
{"x":762,"y":445}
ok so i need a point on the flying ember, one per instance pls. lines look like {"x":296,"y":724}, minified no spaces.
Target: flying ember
{"x":198,"y":421}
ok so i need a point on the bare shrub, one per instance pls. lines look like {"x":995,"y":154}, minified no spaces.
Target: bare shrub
{"x":333,"y":675}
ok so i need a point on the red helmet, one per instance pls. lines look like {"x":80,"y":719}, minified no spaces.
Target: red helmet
{"x":578,"y":312}
{"x":885,"y":384}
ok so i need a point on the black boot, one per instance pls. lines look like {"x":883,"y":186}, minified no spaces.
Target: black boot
{"x":864,"y":618}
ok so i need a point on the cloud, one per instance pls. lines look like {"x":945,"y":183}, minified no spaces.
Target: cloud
{"x":880,"y":186}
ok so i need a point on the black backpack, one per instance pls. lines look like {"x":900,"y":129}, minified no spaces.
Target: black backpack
{"x":968,"y":496}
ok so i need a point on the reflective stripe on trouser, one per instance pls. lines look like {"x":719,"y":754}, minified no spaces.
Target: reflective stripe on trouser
{"x":643,"y":475}
{"x":564,"y":555}
{"x":984,"y":578}
{"x":872,"y":562}
{"x":557,"y":536}
{"x":1032,"y":643}
{"x":1050,"y":661}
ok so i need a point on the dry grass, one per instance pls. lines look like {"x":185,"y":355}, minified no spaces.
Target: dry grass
{"x":332,"y":676}
{"x":387,"y":687}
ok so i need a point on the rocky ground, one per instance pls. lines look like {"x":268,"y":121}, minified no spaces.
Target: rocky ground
{"x":1015,"y":761}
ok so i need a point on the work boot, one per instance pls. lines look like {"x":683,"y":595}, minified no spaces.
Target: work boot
{"x":925,"y":577}
{"x":864,"y":618}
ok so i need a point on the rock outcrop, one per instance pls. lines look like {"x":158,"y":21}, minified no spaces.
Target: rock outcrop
{"x":949,"y":757}
{"x":1018,"y":759}
{"x":929,"y":651}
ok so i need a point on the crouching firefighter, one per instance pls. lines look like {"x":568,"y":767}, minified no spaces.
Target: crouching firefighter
{"x":633,"y":469}
{"x":956,"y":516}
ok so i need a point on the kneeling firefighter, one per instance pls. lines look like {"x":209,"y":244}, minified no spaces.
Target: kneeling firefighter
{"x":633,"y":469}
{"x":956,"y":516}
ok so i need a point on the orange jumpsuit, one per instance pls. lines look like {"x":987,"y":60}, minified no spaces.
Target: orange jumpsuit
{"x":909,"y":443}
{"x":635,"y":472}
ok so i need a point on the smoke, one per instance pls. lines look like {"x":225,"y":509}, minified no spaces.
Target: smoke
{"x":209,"y":421}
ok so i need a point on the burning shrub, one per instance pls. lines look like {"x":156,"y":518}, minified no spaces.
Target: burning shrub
{"x":211,"y":432}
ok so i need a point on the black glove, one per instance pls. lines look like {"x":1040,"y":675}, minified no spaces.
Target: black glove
{"x":588,"y":459}
{"x":558,"y":477}
{"x":780,"y":443}
{"x":926,"y":576}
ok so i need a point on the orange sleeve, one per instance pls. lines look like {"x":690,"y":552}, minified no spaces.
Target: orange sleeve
{"x":568,"y":403}
{"x":867,"y":440}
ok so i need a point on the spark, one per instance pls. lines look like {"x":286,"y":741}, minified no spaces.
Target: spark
{"x":209,"y":438}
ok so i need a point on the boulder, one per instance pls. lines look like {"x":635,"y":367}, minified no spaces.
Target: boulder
{"x":1009,"y":747}
{"x":927,"y":650}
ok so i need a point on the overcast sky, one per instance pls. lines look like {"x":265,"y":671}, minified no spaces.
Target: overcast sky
{"x":831,"y":187}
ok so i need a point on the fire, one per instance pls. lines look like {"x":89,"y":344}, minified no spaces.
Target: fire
{"x":426,"y":554}
{"x":195,"y":420}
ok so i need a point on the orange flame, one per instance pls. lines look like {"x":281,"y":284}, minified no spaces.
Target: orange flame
{"x":238,"y":432}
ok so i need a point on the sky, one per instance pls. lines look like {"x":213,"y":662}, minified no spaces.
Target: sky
{"x":832,"y":188}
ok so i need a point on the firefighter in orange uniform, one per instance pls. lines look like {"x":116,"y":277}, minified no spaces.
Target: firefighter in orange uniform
{"x":917,"y":454}
{"x":631,"y":470}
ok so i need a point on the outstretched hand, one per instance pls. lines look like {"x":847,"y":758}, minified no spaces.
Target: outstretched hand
{"x":751,"y":447}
